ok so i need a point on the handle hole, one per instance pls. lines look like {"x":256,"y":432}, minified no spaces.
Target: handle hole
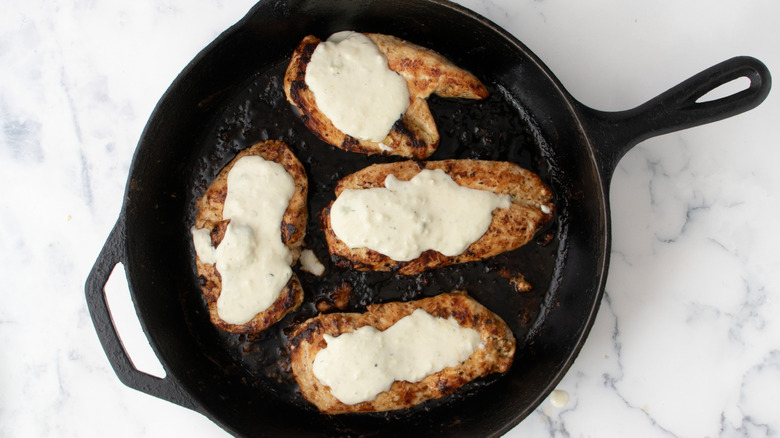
{"x":128,"y":326}
{"x":728,"y":89}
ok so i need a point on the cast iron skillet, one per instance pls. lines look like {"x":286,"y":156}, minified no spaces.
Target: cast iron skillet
{"x":230,"y":97}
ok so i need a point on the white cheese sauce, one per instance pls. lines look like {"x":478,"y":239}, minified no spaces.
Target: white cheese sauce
{"x":201,"y":239}
{"x":252,"y":259}
{"x":559,"y":398}
{"x":310,"y":263}
{"x":358,"y":366}
{"x":406,"y":218}
{"x":354,"y":87}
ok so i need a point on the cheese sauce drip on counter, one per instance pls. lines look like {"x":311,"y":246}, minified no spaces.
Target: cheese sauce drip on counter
{"x":252,"y":259}
{"x":358,"y":366}
{"x":354,"y":87}
{"x":406,"y":218}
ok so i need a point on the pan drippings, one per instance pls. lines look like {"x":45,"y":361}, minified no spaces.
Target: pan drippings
{"x":492,"y":129}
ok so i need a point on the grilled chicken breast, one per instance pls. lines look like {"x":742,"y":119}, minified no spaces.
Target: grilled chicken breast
{"x":293,"y":228}
{"x":509,"y":229}
{"x":426,"y":72}
{"x":495,"y":354}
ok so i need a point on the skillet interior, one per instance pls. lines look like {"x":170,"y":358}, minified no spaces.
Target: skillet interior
{"x":231,"y":96}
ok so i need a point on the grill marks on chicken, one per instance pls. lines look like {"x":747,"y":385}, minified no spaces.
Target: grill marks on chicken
{"x":426,"y":72}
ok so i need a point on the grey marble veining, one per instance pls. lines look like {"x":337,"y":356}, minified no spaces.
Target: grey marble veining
{"x":687,"y":340}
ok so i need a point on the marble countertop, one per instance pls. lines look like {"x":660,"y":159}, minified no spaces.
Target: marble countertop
{"x":687,"y":341}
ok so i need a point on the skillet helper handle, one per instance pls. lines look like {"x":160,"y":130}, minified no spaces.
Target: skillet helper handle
{"x":112,"y":254}
{"x":615,"y":133}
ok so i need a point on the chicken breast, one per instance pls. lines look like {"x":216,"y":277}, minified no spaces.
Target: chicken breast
{"x":426,"y":72}
{"x":293,"y":228}
{"x":495,"y":354}
{"x":510,"y":228}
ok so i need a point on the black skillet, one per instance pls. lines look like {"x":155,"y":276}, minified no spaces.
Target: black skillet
{"x":229,"y":97}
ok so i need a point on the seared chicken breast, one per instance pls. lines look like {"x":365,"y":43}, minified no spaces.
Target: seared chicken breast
{"x":293,"y":228}
{"x":426,"y":72}
{"x":494,"y":355}
{"x":510,"y":228}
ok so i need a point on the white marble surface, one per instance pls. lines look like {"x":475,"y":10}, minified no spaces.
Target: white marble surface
{"x":687,"y":342}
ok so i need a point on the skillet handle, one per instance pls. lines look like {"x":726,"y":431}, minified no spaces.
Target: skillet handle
{"x":113,"y":253}
{"x":615,"y":133}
